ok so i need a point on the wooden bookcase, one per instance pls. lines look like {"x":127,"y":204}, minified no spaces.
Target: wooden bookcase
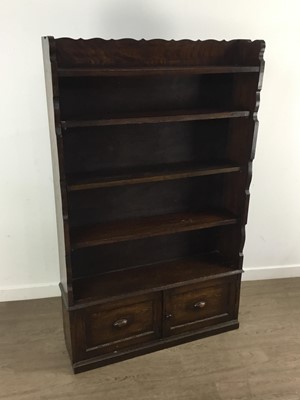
{"x":152,"y":146}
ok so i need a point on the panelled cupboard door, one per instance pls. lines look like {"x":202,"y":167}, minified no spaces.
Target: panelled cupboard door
{"x":197,"y":306}
{"x":117,"y":325}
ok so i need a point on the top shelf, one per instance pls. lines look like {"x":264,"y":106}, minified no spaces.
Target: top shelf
{"x":200,"y":70}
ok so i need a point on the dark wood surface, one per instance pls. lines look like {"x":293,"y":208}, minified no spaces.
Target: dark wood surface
{"x":130,"y":53}
{"x":91,"y":261}
{"x":125,"y":324}
{"x":132,"y":176}
{"x":95,"y":149}
{"x":155,"y":345}
{"x":120,"y":324}
{"x":191,"y":196}
{"x":196,"y":306}
{"x":225,"y":69}
{"x":150,"y":118}
{"x":148,"y":227}
{"x":156,"y":98}
{"x":152,"y":143}
{"x":153,"y":277}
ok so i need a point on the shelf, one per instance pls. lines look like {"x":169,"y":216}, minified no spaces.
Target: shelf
{"x":155,"y":117}
{"x":130,"y":176}
{"x":199,"y":70}
{"x":153,"y":277}
{"x":143,"y":227}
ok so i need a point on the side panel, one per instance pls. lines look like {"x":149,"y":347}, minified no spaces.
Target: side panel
{"x":57,"y":166}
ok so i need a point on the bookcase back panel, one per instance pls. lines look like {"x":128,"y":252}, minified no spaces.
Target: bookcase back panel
{"x":133,"y":253}
{"x":94,"y":97}
{"x":118,"y":203}
{"x":139,"y":146}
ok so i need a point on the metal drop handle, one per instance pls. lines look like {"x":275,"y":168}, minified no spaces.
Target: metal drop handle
{"x":120,"y":323}
{"x":200,"y":304}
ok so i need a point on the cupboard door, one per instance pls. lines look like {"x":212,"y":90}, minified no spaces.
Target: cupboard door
{"x":117,"y":325}
{"x":196,"y":306}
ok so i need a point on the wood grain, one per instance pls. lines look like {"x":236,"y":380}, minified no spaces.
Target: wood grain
{"x":130,"y":53}
{"x":154,"y":277}
{"x":259,"y":361}
{"x":135,"y":176}
{"x":158,"y":117}
{"x":130,"y":107}
{"x":148,"y":227}
{"x":226,"y":69}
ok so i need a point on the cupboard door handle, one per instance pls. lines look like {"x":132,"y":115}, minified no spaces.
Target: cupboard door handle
{"x":168,"y":316}
{"x":120,"y":323}
{"x":200,"y":304}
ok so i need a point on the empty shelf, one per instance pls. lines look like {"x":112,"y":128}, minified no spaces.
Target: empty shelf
{"x":143,"y":227}
{"x":182,"y":70}
{"x":154,"y":117}
{"x":153,"y":277}
{"x":132,"y":176}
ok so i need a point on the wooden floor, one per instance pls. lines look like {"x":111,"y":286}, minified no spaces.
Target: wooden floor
{"x":261,"y":360}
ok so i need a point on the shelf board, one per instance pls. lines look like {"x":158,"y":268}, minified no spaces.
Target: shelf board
{"x":143,"y":227}
{"x":182,"y":70}
{"x":155,"y":117}
{"x":133,"y":176}
{"x":153,"y":277}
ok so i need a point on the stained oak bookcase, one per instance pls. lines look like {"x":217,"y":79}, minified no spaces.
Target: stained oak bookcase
{"x":152,"y":146}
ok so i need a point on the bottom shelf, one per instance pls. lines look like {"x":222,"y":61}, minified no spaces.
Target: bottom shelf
{"x":152,"y":277}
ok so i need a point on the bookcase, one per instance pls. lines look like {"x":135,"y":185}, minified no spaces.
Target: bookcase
{"x":152,"y":146}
